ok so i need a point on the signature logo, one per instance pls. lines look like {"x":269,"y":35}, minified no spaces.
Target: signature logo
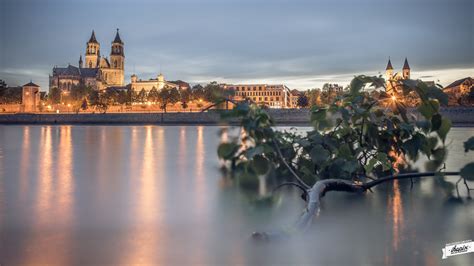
{"x":458,"y":248}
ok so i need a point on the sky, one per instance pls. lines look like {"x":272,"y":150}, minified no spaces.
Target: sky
{"x":302,"y":44}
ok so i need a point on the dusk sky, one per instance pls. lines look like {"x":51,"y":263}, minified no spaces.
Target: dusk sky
{"x":302,"y":44}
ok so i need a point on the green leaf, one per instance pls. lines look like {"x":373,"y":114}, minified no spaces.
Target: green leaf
{"x":248,"y":180}
{"x":467,"y":172}
{"x":260,"y":164}
{"x":469,"y":144}
{"x":357,"y":84}
{"x":251,"y":152}
{"x":350,"y":166}
{"x":304,"y":143}
{"x":227,"y":150}
{"x":370,"y":166}
{"x":319,"y":154}
{"x":439,"y":154}
{"x":383,"y":159}
{"x":428,"y":109}
{"x":436,"y":93}
{"x":444,"y":128}
{"x":318,"y":115}
{"x":425,"y":125}
{"x":412,"y":146}
{"x":345,"y":151}
{"x":436,"y":122}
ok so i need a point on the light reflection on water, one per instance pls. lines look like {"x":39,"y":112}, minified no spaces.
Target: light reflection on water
{"x":150,"y":194}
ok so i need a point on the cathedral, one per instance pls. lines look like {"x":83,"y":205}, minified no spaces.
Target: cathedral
{"x":391,"y":77}
{"x":97,"y":71}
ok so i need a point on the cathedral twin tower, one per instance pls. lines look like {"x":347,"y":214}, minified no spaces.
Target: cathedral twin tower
{"x":111,"y":72}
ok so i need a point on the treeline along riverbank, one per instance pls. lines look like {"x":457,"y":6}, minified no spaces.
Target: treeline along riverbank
{"x":460,"y":116}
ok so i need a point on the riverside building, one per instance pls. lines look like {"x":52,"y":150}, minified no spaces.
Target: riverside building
{"x":273,"y":96}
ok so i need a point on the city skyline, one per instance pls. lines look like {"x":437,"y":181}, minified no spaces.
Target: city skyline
{"x":251,"y":43}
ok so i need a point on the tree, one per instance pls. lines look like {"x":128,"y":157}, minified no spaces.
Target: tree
{"x":110,"y":96}
{"x":11,"y":94}
{"x":122,"y":97}
{"x":174,"y":96}
{"x":302,"y":101}
{"x":314,"y":97}
{"x":213,"y":92}
{"x":185,"y":96}
{"x":141,"y":97}
{"x":84,"y":104}
{"x":197,"y":93}
{"x":3,"y":84}
{"x":357,"y":142}
{"x":153,"y":95}
{"x":55,"y":95}
{"x":130,"y":95}
{"x":79,"y":92}
{"x":168,"y":96}
{"x":93,"y":98}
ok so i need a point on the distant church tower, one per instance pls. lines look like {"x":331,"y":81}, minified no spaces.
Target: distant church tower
{"x":389,"y":70}
{"x":406,"y":70}
{"x":80,"y":62}
{"x":117,"y":57}
{"x":92,"y":52}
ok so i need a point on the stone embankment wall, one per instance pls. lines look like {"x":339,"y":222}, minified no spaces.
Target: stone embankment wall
{"x":459,"y":116}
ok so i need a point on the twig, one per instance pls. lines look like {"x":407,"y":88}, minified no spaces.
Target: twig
{"x":289,"y":167}
{"x":404,"y":176}
{"x":457,"y":189}
{"x":468,"y":189}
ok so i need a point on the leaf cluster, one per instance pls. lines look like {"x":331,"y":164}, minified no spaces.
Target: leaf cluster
{"x":359,"y":136}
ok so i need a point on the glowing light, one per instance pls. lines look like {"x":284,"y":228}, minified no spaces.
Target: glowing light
{"x":200,"y":100}
{"x":394,"y":98}
{"x":68,"y":105}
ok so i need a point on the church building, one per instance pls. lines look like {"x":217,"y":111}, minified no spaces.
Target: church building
{"x":97,"y":71}
{"x":392,"y":78}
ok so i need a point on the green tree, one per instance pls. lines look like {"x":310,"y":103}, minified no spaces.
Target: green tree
{"x":110,"y":96}
{"x":130,"y":96}
{"x":185,"y":97}
{"x":93,"y":98}
{"x":168,"y":96}
{"x":141,"y":96}
{"x":54,"y":95}
{"x":213,"y":92}
{"x":80,"y":92}
{"x":153,"y":95}
{"x":9,"y":95}
{"x":314,"y":97}
{"x":197,"y":93}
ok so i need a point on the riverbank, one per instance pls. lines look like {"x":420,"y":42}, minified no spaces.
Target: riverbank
{"x":460,"y":116}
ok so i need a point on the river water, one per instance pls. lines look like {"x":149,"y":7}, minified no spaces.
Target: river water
{"x":154,"y":195}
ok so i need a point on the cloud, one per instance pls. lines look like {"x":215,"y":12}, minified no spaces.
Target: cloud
{"x":300,"y":43}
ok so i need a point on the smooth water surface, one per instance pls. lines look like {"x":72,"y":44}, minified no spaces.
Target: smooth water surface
{"x":154,"y":195}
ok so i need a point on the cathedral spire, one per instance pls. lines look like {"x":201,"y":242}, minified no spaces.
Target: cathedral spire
{"x":406,"y":65}
{"x":93,"y":39}
{"x":80,"y":61}
{"x":389,"y":65}
{"x":117,"y":38}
